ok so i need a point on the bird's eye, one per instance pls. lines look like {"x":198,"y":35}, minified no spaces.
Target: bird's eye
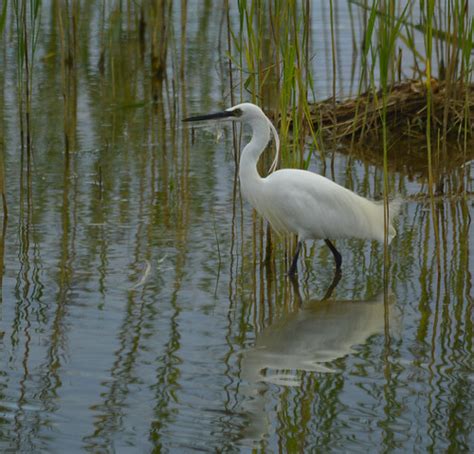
{"x":237,"y":112}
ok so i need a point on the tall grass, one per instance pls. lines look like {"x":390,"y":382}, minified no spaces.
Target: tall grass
{"x":448,"y":26}
{"x":367,"y":69}
{"x":271,"y":48}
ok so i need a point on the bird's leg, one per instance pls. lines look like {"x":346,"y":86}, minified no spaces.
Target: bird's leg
{"x":296,"y":292}
{"x":335,"y":281}
{"x":335,"y":252}
{"x":294,"y":263}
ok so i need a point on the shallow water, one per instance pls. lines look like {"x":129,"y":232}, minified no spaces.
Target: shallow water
{"x":137,"y":312}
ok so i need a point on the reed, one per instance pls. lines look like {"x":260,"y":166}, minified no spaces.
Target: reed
{"x":448,"y":27}
{"x":430,"y":8}
{"x":3,"y":16}
{"x":27,"y":16}
{"x":160,"y":22}
{"x":387,"y":36}
{"x":26,"y":27}
{"x":2,"y":171}
{"x":366,"y":68}
{"x":67,"y":18}
{"x":271,"y":50}
{"x":466,"y":72}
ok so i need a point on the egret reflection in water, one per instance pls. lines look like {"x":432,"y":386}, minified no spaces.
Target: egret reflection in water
{"x":307,"y":339}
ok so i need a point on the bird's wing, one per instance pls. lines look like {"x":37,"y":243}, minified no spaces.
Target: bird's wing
{"x":315,"y":207}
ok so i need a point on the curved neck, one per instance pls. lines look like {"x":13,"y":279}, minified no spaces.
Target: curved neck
{"x":253,"y":150}
{"x":250,"y":180}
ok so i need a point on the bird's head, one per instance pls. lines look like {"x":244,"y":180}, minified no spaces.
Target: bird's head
{"x":241,"y":112}
{"x":246,"y":113}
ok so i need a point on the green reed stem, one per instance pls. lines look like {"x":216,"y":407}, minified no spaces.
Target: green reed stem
{"x":467,"y":73}
{"x":430,"y":4}
{"x":3,"y":15}
{"x":388,"y":34}
{"x":27,"y":14}
{"x":366,"y":48}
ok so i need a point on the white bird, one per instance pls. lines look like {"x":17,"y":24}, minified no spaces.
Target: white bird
{"x":299,"y":201}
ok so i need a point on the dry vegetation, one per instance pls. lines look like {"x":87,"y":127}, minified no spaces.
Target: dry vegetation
{"x":406,"y":111}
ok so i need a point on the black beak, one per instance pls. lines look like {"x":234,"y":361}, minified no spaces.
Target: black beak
{"x":213,"y":116}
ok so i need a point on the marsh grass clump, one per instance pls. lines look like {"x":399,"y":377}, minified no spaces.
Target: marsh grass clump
{"x":438,"y":98}
{"x":406,"y":111}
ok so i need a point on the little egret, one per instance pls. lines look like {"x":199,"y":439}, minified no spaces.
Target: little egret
{"x":299,"y":201}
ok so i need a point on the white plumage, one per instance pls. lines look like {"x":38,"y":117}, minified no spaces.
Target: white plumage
{"x":316,"y":207}
{"x":300,"y":201}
